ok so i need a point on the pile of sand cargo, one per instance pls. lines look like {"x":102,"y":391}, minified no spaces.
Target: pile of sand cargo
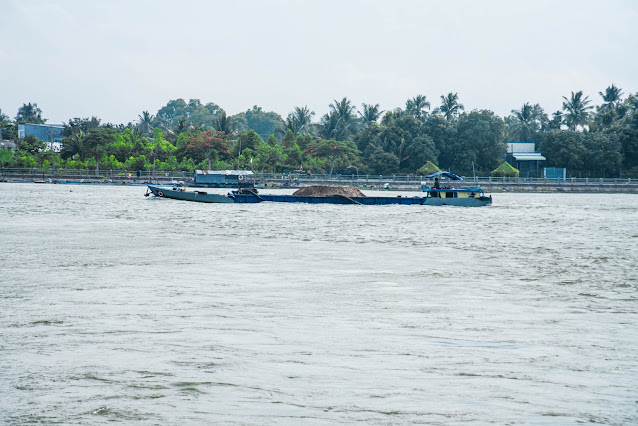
{"x":328,"y":191}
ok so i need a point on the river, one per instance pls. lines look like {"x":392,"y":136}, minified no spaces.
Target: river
{"x":117,"y":307}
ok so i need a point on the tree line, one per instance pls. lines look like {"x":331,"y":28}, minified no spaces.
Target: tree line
{"x":590,"y":141}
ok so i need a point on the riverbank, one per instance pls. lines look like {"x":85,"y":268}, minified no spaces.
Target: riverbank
{"x":488,"y":187}
{"x":284,"y":180}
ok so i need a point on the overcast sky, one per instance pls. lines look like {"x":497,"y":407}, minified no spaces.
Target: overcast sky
{"x":114,"y":59}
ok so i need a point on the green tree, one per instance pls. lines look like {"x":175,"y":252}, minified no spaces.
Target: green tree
{"x":612,"y":97}
{"x":224,"y":124}
{"x":269,"y":157}
{"x":262,"y":122}
{"x":146,"y":122}
{"x":4,"y":119}
{"x":577,"y":110}
{"x":29,"y":113}
{"x":31,"y":145}
{"x":302,"y":120}
{"x":367,"y":137}
{"x":610,"y":111}
{"x":334,"y":151}
{"x":381,"y":162}
{"x":481,"y":139}
{"x":6,"y":157}
{"x":450,"y":106}
{"x":83,"y":124}
{"x":528,"y":121}
{"x":564,"y":149}
{"x":370,"y":114}
{"x":556,"y":121}
{"x":95,"y":144}
{"x":421,"y":150}
{"x":604,"y":156}
{"x":73,"y":145}
{"x":344,"y":113}
{"x":329,"y":125}
{"x":444,"y":134}
{"x":416,"y":107}
{"x":194,"y":112}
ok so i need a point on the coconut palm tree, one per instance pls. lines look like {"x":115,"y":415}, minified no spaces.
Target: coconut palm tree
{"x":577,"y":110}
{"x":371,"y":114}
{"x":328,"y":128}
{"x":303,"y":119}
{"x":344,"y":111}
{"x":416,"y":107}
{"x":146,"y":122}
{"x":450,"y":106}
{"x":527,"y":121}
{"x":612,"y":97}
{"x":73,"y":145}
{"x":223,"y":123}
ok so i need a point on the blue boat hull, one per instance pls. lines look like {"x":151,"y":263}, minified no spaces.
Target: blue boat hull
{"x":378,"y":201}
{"x":254,"y":197}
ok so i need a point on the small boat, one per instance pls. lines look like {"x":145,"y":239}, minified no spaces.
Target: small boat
{"x":448,"y":195}
{"x":181,"y":193}
{"x":466,"y":197}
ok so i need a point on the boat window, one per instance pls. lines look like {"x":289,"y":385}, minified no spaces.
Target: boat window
{"x":449,"y":195}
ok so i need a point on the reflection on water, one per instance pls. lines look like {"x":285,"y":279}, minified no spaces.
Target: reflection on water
{"x":117,"y":307}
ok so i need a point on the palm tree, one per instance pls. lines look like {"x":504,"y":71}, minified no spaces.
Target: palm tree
{"x":577,"y":110}
{"x":556,"y":121}
{"x":390,"y":116}
{"x":146,"y":122}
{"x":416,"y":107}
{"x":371,"y":114}
{"x":288,"y":125}
{"x":328,"y":128}
{"x":344,"y":111}
{"x":528,"y":121}
{"x":73,"y":145}
{"x":223,"y":123}
{"x":181,"y":126}
{"x":343,"y":108}
{"x":303,"y":119}
{"x":450,"y":106}
{"x":298,"y":121}
{"x":612,"y":97}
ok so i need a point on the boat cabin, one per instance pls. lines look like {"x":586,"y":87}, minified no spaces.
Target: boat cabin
{"x":223,"y":178}
{"x":453,"y":192}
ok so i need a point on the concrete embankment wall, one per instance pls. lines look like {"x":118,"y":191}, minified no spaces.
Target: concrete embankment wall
{"x":387,"y":182}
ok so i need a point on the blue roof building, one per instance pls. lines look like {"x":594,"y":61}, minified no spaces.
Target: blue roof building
{"x":51,"y":133}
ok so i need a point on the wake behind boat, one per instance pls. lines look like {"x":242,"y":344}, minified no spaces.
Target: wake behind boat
{"x":181,"y":193}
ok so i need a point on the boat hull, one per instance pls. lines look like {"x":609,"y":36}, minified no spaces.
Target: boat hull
{"x":253,"y":197}
{"x":378,"y":201}
{"x":182,"y":194}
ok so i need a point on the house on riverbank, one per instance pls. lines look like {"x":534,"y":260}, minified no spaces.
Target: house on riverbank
{"x":523,"y":156}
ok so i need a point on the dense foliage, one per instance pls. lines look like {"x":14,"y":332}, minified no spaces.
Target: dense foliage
{"x":590,"y":141}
